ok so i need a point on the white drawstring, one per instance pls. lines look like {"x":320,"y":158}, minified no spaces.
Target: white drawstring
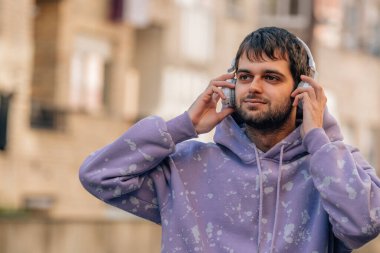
{"x":261,"y":200}
{"x":277,"y":200}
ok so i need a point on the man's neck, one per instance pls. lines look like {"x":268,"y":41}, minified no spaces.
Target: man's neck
{"x":265,"y":139}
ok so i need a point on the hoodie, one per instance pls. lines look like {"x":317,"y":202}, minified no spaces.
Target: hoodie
{"x":314,"y":195}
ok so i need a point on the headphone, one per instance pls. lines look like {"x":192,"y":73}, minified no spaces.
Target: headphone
{"x":230,"y":93}
{"x":311,"y":64}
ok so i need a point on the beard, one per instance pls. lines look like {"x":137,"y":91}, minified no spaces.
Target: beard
{"x":273,"y":119}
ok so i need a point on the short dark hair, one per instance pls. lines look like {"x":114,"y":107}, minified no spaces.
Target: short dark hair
{"x":276,"y":43}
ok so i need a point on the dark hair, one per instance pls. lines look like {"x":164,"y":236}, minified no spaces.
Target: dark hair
{"x":276,"y":43}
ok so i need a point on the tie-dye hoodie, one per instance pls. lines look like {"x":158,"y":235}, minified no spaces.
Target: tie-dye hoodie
{"x":313,"y":195}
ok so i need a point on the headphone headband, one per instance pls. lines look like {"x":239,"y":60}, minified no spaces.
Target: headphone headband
{"x":311,"y":61}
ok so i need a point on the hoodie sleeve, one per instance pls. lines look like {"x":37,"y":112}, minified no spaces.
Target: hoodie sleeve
{"x":349,"y":188}
{"x":132,"y":173}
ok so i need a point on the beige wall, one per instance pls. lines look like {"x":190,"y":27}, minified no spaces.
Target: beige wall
{"x":45,"y":162}
{"x":16,"y":51}
{"x":41,"y":162}
{"x":62,"y":236}
{"x":161,"y":53}
{"x":352,"y":80}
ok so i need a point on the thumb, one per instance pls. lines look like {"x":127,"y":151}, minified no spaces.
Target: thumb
{"x":224,"y":113}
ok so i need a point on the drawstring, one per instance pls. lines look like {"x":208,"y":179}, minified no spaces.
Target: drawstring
{"x":261,"y":200}
{"x":277,"y":200}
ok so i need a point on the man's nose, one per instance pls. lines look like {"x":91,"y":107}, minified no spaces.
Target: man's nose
{"x":256,"y":86}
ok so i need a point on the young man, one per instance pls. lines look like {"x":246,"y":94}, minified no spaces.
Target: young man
{"x":271,"y":184}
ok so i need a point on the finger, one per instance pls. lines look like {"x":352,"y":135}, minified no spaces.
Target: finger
{"x":215,"y":97}
{"x":301,"y":90}
{"x":224,"y":77}
{"x":208,"y":94}
{"x":301,"y":98}
{"x":313,"y":83}
{"x":222,"y":84}
{"x":308,"y":79}
{"x":297,"y":99}
{"x":218,"y":91}
{"x":298,"y":91}
{"x":224,"y":113}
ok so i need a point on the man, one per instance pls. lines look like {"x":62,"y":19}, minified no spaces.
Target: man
{"x":271,"y":184}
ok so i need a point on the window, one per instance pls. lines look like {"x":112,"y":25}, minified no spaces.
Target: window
{"x":179,"y":88}
{"x":372,"y":23}
{"x":5,"y":100}
{"x":293,"y":7}
{"x":196,"y":34}
{"x":351,"y":27}
{"x":235,"y":9}
{"x":89,"y":72}
{"x":286,"y":7}
{"x":271,"y":7}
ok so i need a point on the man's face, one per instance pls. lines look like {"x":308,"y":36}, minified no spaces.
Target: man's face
{"x":263,"y":91}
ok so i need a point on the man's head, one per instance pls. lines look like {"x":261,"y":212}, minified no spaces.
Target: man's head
{"x":268,"y":65}
{"x":276,"y":43}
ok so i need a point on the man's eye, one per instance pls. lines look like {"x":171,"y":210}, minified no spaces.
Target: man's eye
{"x":244,"y":77}
{"x":271,"y":78}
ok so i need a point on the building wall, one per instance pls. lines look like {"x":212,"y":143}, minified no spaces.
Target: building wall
{"x":42,"y":164}
{"x":156,"y":67}
{"x":354,"y":93}
{"x":62,"y":236}
{"x":16,"y":51}
{"x":348,"y":63}
{"x":195,"y":45}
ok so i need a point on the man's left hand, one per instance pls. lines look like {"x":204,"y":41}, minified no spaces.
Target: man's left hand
{"x":314,"y":104}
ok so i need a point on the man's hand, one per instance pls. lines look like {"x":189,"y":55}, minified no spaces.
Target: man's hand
{"x":203,"y":112}
{"x":314,"y":103}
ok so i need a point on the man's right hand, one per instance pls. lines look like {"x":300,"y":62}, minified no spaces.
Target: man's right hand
{"x":203,"y":112}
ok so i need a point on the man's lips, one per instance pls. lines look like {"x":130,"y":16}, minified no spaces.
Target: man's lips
{"x":254,"y":101}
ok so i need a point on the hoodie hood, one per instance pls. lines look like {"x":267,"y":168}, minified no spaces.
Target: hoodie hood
{"x":233,"y":137}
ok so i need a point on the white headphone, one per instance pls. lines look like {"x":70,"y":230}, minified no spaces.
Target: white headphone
{"x":230,"y":93}
{"x":311,"y":61}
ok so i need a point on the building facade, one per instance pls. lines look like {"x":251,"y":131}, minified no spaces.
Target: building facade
{"x":76,"y":73}
{"x":347,"y":34}
{"x":346,"y":44}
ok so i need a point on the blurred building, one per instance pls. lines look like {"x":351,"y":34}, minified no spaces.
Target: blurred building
{"x":76,"y":73}
{"x":65,"y":64}
{"x":195,"y":41}
{"x":80,"y":71}
{"x":347,"y":35}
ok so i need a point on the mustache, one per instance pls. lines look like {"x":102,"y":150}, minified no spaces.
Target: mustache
{"x":255,"y":97}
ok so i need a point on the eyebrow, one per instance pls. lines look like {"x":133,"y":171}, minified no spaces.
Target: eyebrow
{"x":266,"y":71}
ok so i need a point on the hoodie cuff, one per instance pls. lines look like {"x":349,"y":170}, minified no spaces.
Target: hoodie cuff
{"x":181,"y":128}
{"x":315,"y":139}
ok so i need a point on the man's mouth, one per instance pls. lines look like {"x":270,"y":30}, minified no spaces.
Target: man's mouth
{"x":254,"y":101}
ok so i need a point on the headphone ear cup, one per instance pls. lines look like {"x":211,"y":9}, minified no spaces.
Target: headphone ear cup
{"x":302,"y":84}
{"x":233,"y":98}
{"x":230,"y":94}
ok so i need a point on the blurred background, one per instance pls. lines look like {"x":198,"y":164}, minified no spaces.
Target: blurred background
{"x":75,"y":74}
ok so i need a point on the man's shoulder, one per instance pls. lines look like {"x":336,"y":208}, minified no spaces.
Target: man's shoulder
{"x":191,"y":147}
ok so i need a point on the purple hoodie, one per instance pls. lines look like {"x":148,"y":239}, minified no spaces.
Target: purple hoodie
{"x":313,"y":195}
